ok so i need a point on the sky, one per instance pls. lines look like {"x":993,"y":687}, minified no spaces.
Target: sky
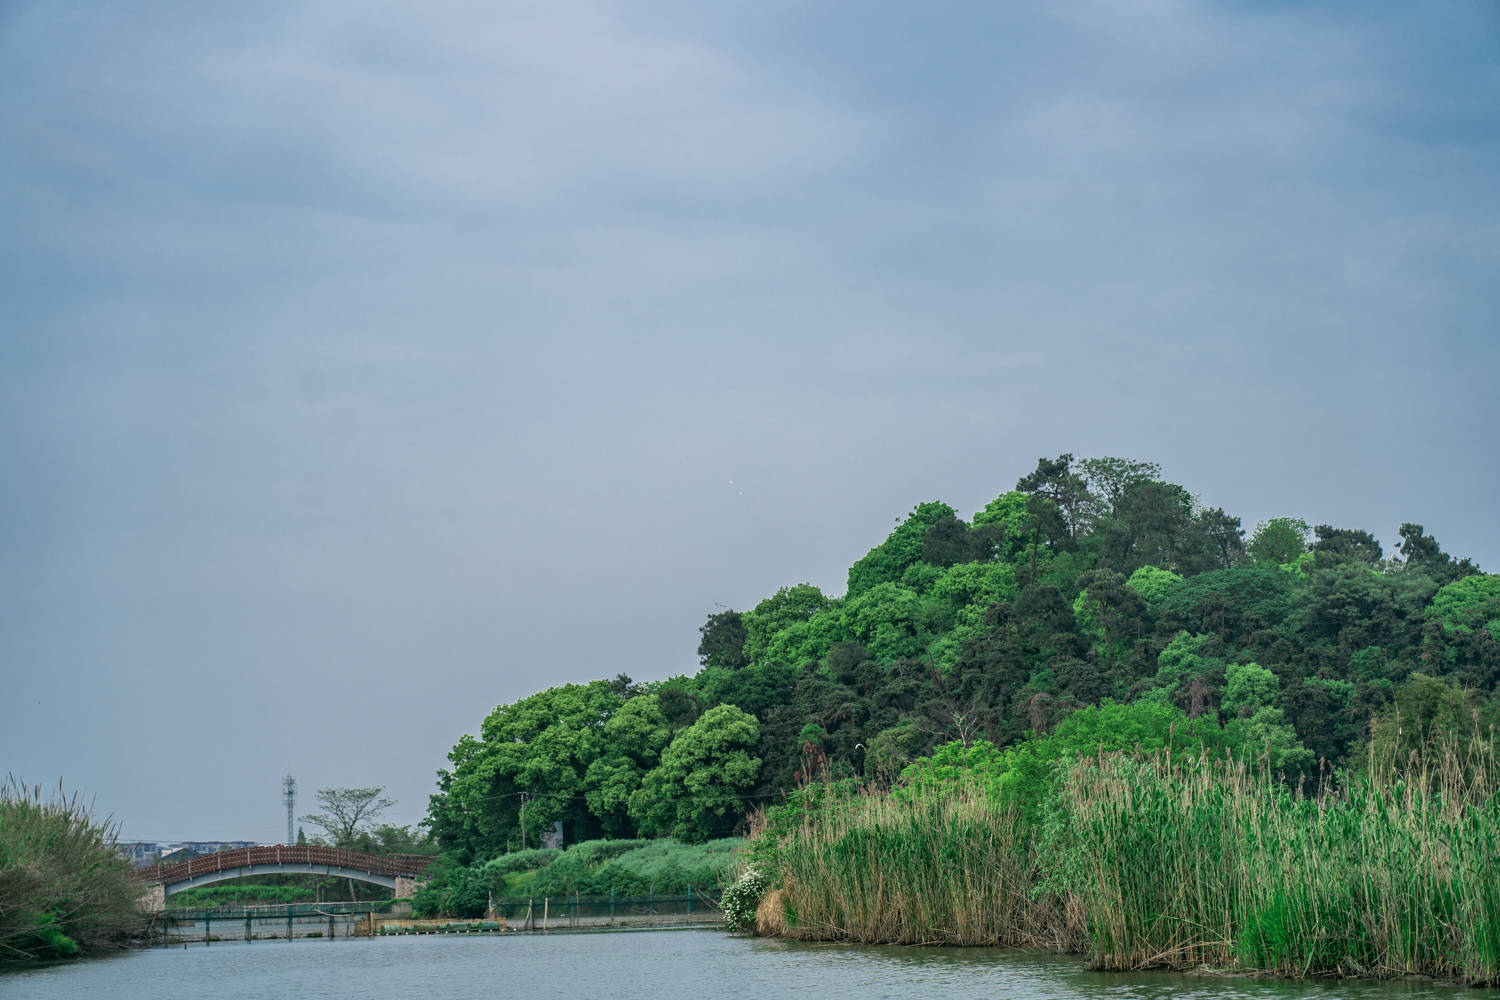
{"x":366,"y":366}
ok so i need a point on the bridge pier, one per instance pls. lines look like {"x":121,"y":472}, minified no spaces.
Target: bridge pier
{"x":154,"y":899}
{"x":405,"y":887}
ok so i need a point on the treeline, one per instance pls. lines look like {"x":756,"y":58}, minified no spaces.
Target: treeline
{"x":1092,"y":582}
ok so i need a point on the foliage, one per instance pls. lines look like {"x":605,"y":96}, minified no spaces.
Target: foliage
{"x":1095,"y":584}
{"x":694,"y":794}
{"x":625,"y":868}
{"x":535,"y":753}
{"x":740,"y":899}
{"x":1469,"y":605}
{"x":886,"y":562}
{"x":64,"y":890}
{"x":1280,"y":540}
{"x":452,"y":889}
{"x":346,"y":811}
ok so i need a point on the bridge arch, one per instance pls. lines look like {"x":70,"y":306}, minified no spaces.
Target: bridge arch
{"x":395,"y":872}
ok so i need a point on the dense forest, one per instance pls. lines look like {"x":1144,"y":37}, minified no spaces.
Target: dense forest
{"x":1093,"y":583}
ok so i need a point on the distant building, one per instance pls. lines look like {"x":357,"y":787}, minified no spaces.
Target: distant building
{"x":148,"y":852}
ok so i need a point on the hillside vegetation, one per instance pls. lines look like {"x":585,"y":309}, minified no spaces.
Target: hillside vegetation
{"x":1094,"y":586}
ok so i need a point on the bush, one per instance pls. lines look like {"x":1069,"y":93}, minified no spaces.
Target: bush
{"x":64,"y":890}
{"x":453,"y":890}
{"x":742,"y":898}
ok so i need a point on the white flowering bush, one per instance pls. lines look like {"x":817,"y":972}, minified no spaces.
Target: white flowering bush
{"x":740,"y":900}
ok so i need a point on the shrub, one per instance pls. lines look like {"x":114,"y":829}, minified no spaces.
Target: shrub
{"x":741,"y":899}
{"x":64,"y":890}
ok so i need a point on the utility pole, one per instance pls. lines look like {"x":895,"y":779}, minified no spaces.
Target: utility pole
{"x":289,"y":794}
{"x":523,"y":821}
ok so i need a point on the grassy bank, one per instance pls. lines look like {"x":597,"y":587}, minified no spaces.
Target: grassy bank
{"x":1163,"y":860}
{"x":590,"y":868}
{"x":64,"y":891}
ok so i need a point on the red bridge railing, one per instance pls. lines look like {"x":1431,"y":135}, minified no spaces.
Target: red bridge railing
{"x":301,"y":854}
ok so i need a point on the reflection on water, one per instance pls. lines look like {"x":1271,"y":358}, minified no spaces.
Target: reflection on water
{"x":703,"y":965}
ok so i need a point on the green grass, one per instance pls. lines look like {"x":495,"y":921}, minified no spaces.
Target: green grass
{"x":237,"y":894}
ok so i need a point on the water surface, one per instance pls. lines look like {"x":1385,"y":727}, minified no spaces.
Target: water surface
{"x":698,"y":964}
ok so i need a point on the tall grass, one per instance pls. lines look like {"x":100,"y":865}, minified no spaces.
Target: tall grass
{"x":951,"y":867}
{"x":1208,"y":861}
{"x":1162,"y":861}
{"x":64,"y":890}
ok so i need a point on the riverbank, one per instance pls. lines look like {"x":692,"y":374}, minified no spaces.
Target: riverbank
{"x":1148,"y":861}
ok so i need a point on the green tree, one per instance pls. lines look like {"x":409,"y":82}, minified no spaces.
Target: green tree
{"x":1421,"y":552}
{"x":634,"y":738}
{"x":1279,"y":541}
{"x":1186,"y":676}
{"x":1112,"y":615}
{"x":1107,"y":479}
{"x":786,"y":607}
{"x":1056,"y":480}
{"x":1468,"y":605}
{"x":695,"y":794}
{"x":1248,"y":688}
{"x":721,"y":641}
{"x":346,"y":811}
{"x":535,"y":752}
{"x":1336,"y":545}
{"x":1153,"y":584}
{"x":1006,"y":519}
{"x":887,"y":561}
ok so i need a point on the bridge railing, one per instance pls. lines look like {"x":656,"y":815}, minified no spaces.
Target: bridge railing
{"x":284,"y":854}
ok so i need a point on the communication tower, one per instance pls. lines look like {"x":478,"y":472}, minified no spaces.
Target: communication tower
{"x":289,"y":794}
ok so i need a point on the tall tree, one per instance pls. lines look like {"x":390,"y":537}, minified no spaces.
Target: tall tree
{"x":1421,"y":552}
{"x":1345,"y":545}
{"x":695,"y":793}
{"x":346,"y":811}
{"x":1279,"y":540}
{"x":1055,"y":479}
{"x":721,"y":641}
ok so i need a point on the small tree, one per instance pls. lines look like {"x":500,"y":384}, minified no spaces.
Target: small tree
{"x":345,"y":810}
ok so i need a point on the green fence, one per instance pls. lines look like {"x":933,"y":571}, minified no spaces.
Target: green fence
{"x":563,"y":911}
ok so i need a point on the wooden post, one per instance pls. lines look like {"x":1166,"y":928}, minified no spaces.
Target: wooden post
{"x":546,"y":902}
{"x":247,"y":924}
{"x":208,"y":924}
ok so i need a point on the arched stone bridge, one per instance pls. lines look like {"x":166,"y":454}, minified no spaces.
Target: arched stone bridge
{"x":397,"y":872}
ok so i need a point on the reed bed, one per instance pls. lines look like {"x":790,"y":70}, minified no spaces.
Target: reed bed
{"x":954,"y":867}
{"x":1203,"y":861}
{"x":1171,"y":862}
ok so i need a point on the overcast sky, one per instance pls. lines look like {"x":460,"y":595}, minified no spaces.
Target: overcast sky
{"x":365,"y":366}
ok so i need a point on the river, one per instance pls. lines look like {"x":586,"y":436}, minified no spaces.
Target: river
{"x":663,"y":965}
